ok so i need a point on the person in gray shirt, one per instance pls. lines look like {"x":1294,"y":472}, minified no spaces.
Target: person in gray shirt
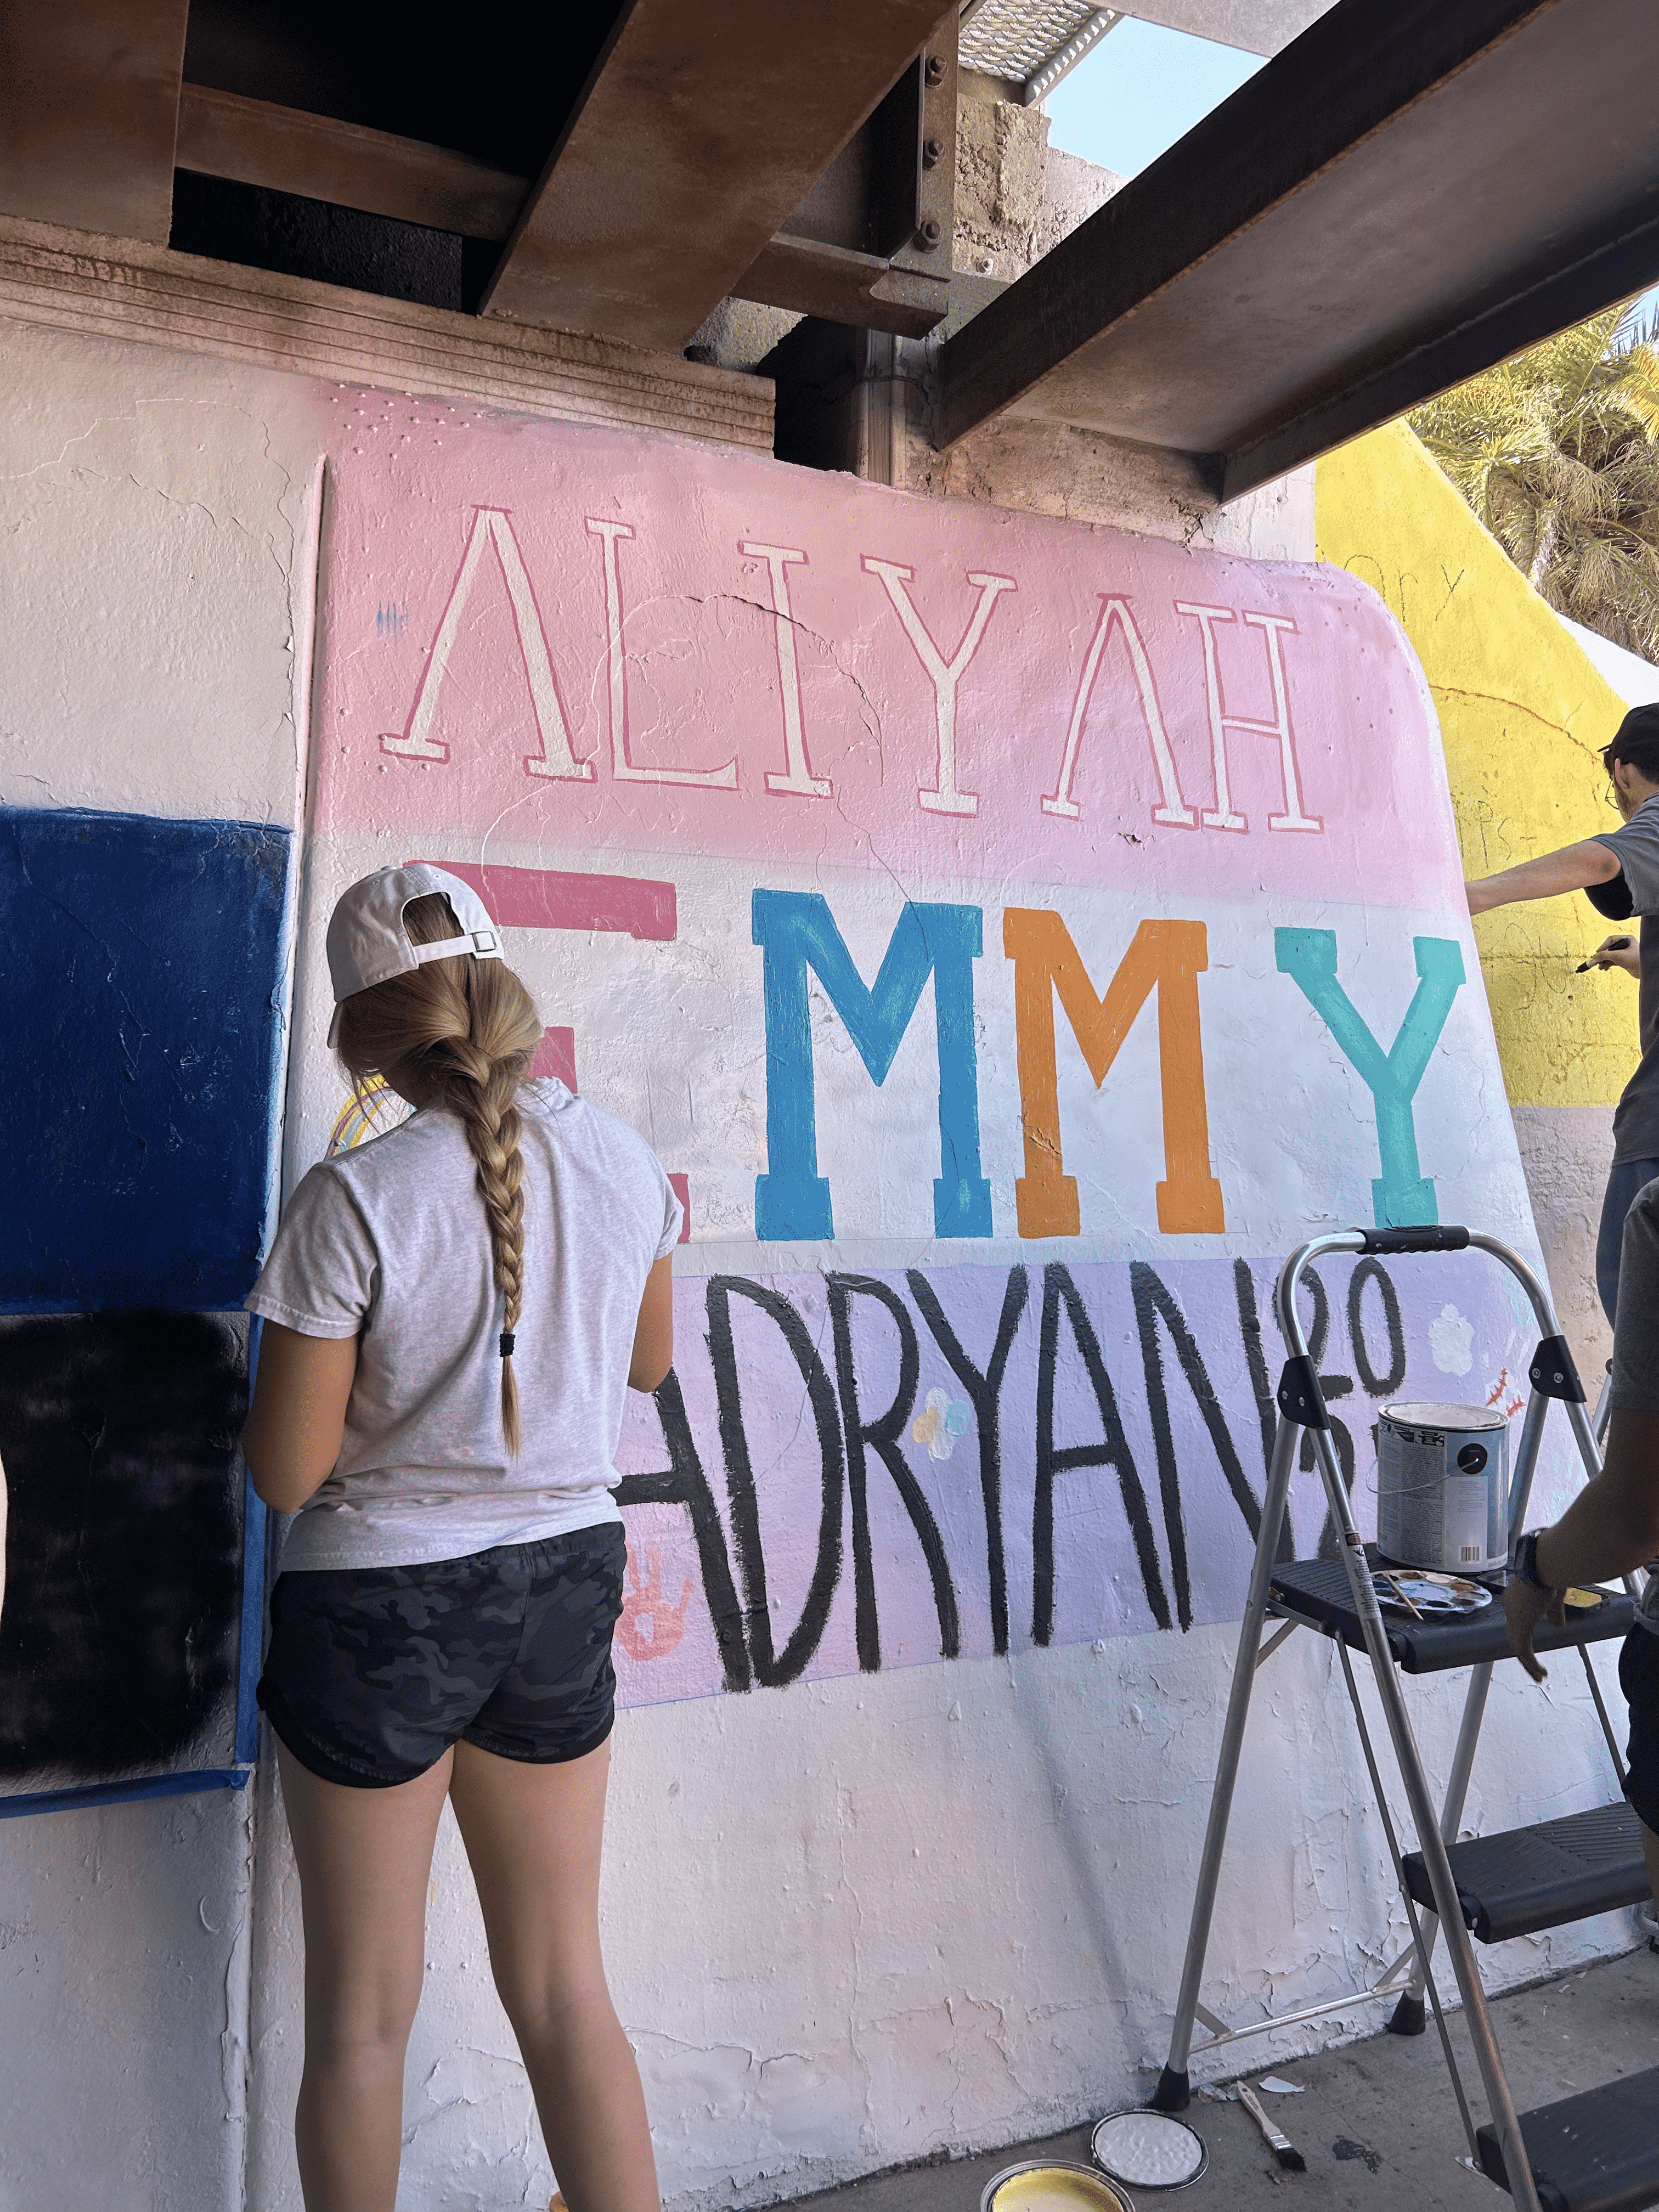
{"x":1612,"y":1525}
{"x":1618,"y":871}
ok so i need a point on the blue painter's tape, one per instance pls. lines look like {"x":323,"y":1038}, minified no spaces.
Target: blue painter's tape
{"x":140,"y":1003}
{"x":253,"y":1592}
{"x":123,"y":1793}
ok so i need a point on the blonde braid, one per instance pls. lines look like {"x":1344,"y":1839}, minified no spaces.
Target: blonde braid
{"x":484,"y":1096}
{"x":468,"y":1030}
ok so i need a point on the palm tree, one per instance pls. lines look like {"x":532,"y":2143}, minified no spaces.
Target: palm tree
{"x":1558,"y":452}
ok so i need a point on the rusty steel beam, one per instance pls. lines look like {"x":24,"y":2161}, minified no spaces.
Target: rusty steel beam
{"x":840,"y":286}
{"x":253,"y":142}
{"x":88,"y":113}
{"x":898,"y":196}
{"x":1407,"y":194}
{"x":702,"y":128}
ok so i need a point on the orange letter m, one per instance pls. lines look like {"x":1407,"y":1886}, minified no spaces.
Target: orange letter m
{"x":1166,"y":955}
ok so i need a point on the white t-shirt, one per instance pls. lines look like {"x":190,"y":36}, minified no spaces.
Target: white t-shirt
{"x":391,"y":1242}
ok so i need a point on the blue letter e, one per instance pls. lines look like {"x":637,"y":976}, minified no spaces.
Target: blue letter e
{"x":798,"y":931}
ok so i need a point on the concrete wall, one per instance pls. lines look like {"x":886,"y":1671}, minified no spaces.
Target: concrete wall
{"x":1523,"y":711}
{"x":850,"y":1923}
{"x":156,"y":514}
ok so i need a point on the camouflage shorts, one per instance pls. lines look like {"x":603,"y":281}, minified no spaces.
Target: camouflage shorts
{"x":372,"y":1673}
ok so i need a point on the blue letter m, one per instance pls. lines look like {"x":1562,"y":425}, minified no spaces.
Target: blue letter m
{"x":798,"y":931}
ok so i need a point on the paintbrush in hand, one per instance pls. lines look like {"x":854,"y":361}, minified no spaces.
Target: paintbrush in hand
{"x":1284,"y":2150}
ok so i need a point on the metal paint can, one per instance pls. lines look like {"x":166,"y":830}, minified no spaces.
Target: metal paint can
{"x":1443,"y":1487}
{"x":1052,"y":2185}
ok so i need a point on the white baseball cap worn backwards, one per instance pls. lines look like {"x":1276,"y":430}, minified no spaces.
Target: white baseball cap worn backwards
{"x":367,"y":942}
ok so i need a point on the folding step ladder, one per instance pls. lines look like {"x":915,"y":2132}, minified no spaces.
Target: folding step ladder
{"x":1598,"y":2152}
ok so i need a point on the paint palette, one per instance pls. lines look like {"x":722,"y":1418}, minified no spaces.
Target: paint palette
{"x":1052,"y":2185}
{"x":1431,"y":1594}
{"x":1153,"y":2150}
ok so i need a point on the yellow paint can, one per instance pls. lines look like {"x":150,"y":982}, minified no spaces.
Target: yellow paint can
{"x":1052,"y":2185}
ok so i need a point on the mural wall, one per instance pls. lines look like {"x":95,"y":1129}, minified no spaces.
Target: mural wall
{"x":853,"y":1916}
{"x":1015,"y":937}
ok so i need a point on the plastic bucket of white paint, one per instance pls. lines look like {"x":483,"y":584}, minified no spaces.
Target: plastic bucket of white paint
{"x":1443,"y":1487}
{"x":1052,"y":2185}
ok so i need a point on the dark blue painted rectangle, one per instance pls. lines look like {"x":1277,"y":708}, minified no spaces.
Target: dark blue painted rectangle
{"x":140,"y":1032}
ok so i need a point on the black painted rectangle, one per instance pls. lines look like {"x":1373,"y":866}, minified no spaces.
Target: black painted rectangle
{"x":120,"y":1624}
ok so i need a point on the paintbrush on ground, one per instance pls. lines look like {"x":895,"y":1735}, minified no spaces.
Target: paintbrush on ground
{"x":1283,"y":2149}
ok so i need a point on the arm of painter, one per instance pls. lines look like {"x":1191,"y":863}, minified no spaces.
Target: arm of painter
{"x":654,"y":1337}
{"x":1612,"y":1526}
{"x":1573,"y":868}
{"x":297,"y":1420}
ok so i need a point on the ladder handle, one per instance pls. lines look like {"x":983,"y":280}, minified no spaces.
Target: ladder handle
{"x":1432,"y":1237}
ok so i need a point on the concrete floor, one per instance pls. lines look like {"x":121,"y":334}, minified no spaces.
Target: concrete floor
{"x":1377,"y":2123}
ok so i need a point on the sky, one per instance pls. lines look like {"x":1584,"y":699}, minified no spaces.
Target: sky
{"x":1138,"y":90}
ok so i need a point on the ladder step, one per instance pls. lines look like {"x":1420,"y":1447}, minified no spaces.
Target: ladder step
{"x":1528,"y":1879}
{"x":1316,"y":1591}
{"x":1596,"y":2152}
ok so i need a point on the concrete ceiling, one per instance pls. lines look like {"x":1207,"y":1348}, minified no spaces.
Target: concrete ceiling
{"x":1407,"y":192}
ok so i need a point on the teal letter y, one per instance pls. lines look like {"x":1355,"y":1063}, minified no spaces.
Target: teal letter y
{"x":1401,"y":1196}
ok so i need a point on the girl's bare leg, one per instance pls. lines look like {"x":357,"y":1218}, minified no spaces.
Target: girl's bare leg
{"x":532,"y":1834}
{"x":365,"y":1858}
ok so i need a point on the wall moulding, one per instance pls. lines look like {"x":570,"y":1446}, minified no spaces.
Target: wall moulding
{"x":118,"y":288}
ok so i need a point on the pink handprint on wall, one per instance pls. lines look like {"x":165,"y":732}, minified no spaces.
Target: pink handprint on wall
{"x":650,"y":1627}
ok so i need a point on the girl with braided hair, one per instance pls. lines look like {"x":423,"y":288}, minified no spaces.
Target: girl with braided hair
{"x":451,"y":1314}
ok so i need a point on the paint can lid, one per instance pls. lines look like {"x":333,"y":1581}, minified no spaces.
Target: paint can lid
{"x":1152,"y":2151}
{"x":1052,"y":2185}
{"x":1458,"y":1417}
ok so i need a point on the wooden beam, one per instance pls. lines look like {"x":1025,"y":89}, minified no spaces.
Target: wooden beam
{"x":253,"y":142}
{"x":703,"y":128}
{"x":88,"y":113}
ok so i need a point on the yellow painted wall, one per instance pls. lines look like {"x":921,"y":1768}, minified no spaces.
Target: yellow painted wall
{"x":1523,"y":714}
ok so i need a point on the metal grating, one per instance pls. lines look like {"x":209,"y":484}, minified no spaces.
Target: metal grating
{"x":1035,"y":42}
